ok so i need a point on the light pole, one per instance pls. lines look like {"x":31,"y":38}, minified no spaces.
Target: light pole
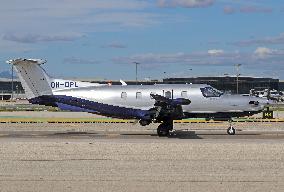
{"x":136,"y":64}
{"x":190,"y":71}
{"x":165,"y":75}
{"x":12,"y":96}
{"x":238,"y":74}
{"x":188,"y":79}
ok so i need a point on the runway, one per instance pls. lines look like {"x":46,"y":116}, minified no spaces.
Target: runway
{"x":126,"y":157}
{"x":135,"y":131}
{"x":142,"y":135}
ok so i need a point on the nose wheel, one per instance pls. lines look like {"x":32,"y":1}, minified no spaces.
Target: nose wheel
{"x":231,"y":130}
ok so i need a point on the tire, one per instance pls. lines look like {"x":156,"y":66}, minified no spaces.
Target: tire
{"x":162,"y":131}
{"x":231,"y":131}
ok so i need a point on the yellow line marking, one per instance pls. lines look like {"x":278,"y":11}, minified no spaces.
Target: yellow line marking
{"x":90,"y":120}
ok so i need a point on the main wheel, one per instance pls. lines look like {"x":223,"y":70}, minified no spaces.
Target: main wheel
{"x":231,"y":131}
{"x":162,"y":131}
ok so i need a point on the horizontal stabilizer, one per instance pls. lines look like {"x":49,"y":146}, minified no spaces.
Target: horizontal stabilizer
{"x":26,"y":61}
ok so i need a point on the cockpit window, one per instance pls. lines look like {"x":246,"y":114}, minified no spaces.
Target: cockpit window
{"x":210,"y":92}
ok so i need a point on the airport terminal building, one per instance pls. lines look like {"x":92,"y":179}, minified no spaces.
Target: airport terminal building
{"x":224,"y":83}
{"x":6,"y":89}
{"x":229,"y":83}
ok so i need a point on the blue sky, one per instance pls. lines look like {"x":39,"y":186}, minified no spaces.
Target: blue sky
{"x":170,"y":38}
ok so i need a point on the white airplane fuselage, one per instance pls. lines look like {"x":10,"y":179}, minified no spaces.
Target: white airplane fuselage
{"x":138,"y":97}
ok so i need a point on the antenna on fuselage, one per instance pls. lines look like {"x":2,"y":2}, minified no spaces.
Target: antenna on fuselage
{"x":123,"y":82}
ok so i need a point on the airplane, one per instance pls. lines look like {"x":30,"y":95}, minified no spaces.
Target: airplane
{"x":159,"y":103}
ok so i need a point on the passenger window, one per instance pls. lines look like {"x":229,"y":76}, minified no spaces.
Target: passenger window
{"x":123,"y":95}
{"x":138,"y":95}
{"x":168,"y":94}
{"x":184,"y":94}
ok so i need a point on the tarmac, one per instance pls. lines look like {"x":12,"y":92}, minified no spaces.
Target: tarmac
{"x":128,"y":157}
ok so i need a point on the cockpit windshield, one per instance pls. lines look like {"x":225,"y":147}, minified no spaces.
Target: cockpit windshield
{"x":210,"y":92}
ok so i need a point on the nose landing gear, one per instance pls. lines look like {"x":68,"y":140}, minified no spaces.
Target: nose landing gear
{"x":231,"y":130}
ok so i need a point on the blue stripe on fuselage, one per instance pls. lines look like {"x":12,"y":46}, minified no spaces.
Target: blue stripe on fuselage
{"x":77,"y":104}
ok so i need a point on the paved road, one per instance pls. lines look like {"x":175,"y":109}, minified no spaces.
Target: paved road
{"x":122,"y":158}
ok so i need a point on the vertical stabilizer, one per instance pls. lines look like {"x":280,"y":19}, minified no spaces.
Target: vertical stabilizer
{"x":33,"y":78}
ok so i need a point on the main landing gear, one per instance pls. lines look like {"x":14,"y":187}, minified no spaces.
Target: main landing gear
{"x":165,"y":128}
{"x":231,"y":130}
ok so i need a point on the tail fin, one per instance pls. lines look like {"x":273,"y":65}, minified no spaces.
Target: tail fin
{"x":33,"y":78}
{"x":36,"y":82}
